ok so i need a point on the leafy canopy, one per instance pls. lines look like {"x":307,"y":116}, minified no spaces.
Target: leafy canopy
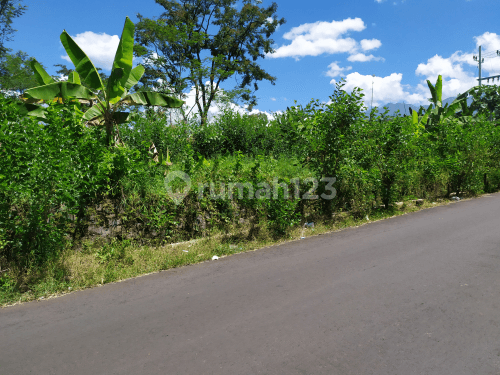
{"x":8,"y":11}
{"x":202,"y":43}
{"x":486,"y":100}
{"x":15,"y":72}
{"x":15,"y":75}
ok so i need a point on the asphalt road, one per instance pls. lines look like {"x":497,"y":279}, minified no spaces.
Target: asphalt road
{"x":417,"y":294}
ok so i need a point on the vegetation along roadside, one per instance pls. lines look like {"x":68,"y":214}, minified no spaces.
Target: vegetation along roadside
{"x":106,"y":178}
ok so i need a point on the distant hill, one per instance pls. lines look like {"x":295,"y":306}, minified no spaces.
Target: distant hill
{"x":404,"y":108}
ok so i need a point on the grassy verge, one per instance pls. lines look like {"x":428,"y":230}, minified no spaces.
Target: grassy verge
{"x":97,"y":264}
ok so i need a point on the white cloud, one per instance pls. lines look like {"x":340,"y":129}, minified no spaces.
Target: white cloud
{"x":100,"y":48}
{"x":301,"y":47}
{"x":367,"y":44}
{"x":490,"y":43}
{"x":61,"y":77}
{"x":455,"y":78}
{"x":325,"y":30}
{"x":335,"y":70}
{"x":273,"y":99}
{"x":458,"y":72}
{"x":438,"y":65}
{"x":385,"y":89}
{"x":360,"y":57}
{"x":313,"y":39}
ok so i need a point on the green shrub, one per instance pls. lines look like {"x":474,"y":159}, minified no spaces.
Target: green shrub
{"x":50,"y":172}
{"x":232,"y":132}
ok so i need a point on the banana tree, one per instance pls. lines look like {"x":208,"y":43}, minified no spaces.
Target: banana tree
{"x":436,"y":112}
{"x":85,"y":85}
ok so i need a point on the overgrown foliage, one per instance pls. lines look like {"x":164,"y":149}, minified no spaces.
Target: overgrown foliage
{"x":486,"y":101}
{"x":47,"y":172}
{"x":62,"y":188}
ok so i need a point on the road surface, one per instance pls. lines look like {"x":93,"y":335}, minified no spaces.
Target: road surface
{"x":416,"y":294}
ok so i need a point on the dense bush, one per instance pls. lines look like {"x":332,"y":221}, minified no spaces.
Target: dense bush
{"x":50,"y":173}
{"x":466,"y":153}
{"x":43,"y":169}
{"x":60,"y":183}
{"x":155,"y":127}
{"x":231,"y":132}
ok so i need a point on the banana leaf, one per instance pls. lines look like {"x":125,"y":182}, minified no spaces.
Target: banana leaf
{"x":453,"y":108}
{"x":134,"y":77}
{"x":414,"y":117}
{"x":122,"y":64}
{"x":74,"y":78}
{"x":95,"y":112}
{"x":64,"y":90}
{"x":152,"y":98}
{"x":436,"y":91}
{"x":426,"y":116}
{"x":120,"y":117}
{"x":83,"y":65}
{"x":433,"y":91}
{"x":27,"y":109}
{"x":38,"y":112}
{"x":96,"y":115}
{"x":41,"y":75}
{"x":439,"y":89}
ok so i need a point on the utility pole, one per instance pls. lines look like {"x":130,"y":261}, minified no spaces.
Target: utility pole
{"x":480,"y":60}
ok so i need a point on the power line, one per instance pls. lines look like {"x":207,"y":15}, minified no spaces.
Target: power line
{"x":492,"y":54}
{"x":480,"y":61}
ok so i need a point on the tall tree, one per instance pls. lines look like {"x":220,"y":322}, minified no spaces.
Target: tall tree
{"x":63,"y":70}
{"x":203,"y":43}
{"x":8,"y":11}
{"x":16,"y":74}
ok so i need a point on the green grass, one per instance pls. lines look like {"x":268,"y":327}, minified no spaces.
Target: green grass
{"x":98,"y":263}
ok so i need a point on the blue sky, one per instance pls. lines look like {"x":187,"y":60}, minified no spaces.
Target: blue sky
{"x":403,"y":43}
